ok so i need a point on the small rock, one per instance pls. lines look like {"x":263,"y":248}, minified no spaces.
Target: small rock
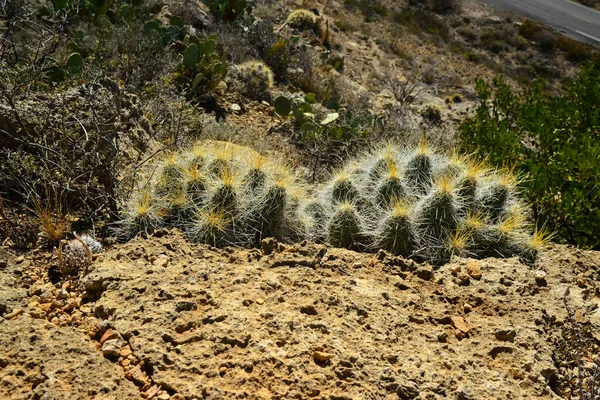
{"x":418,"y":319}
{"x":46,"y":296}
{"x":55,"y":304}
{"x":425,"y":272}
{"x":321,"y":356}
{"x":407,"y":390}
{"x":110,"y":334}
{"x":137,"y":375}
{"x":442,"y":337}
{"x":62,"y":294}
{"x":235,"y":107}
{"x":269,"y":245}
{"x":260,"y":301}
{"x":19,"y":259}
{"x":163,"y":396}
{"x":112,"y":347}
{"x":474,"y":269}
{"x":125,"y":351}
{"x":467,"y":307}
{"x":153,"y":391}
{"x":505,"y":335}
{"x":13,"y":314}
{"x":540,"y":275}
{"x":161,"y":261}
{"x":460,"y":324}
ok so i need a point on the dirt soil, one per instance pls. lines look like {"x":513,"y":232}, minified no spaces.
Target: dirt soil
{"x":161,"y":318}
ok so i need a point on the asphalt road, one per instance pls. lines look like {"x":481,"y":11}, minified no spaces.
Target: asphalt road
{"x":572,"y":19}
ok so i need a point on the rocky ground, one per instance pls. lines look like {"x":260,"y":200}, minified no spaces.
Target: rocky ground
{"x":161,"y":318}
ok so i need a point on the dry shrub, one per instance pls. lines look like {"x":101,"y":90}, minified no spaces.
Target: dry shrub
{"x":52,"y":216}
{"x":16,"y":232}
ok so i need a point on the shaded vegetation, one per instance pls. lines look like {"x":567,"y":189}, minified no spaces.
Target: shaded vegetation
{"x":554,"y":141}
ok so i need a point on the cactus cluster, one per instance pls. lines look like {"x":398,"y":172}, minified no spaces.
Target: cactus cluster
{"x":302,"y":19}
{"x":412,"y":202}
{"x":255,"y":79}
{"x":219,"y":193}
{"x":417,"y":203}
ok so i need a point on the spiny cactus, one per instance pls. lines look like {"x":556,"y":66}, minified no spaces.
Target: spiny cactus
{"x":343,"y":188}
{"x":395,"y":232}
{"x":218,"y":193}
{"x":419,"y":170}
{"x":170,"y":176}
{"x":195,"y":184}
{"x":413,"y":202}
{"x":420,"y":203}
{"x":255,"y":79}
{"x":313,"y":215}
{"x":495,"y":199}
{"x":437,"y":212}
{"x":214,"y":227}
{"x":140,"y":214}
{"x":302,"y":19}
{"x":390,"y":186}
{"x":345,"y":227}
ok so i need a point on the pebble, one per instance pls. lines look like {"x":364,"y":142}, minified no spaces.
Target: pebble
{"x":321,"y":356}
{"x":161,"y":261}
{"x":460,"y":324}
{"x":456,"y":269}
{"x":13,"y":314}
{"x":425,"y":272}
{"x":125,"y":351}
{"x":112,"y":347}
{"x":110,"y":334}
{"x":474,"y":269}
{"x":153,"y":391}
{"x":260,"y":301}
{"x":505,"y":335}
{"x":137,"y":375}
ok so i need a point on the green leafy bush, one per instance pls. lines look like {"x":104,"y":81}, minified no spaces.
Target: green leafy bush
{"x":554,"y":141}
{"x":226,"y":10}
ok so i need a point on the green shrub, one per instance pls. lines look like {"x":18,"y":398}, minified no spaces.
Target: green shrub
{"x":444,"y":6}
{"x":226,"y":10}
{"x":553,"y":141}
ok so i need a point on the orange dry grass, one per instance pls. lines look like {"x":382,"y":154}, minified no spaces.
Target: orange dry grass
{"x":53,"y":219}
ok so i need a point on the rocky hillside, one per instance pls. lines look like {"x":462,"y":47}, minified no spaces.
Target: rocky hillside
{"x":161,"y":318}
